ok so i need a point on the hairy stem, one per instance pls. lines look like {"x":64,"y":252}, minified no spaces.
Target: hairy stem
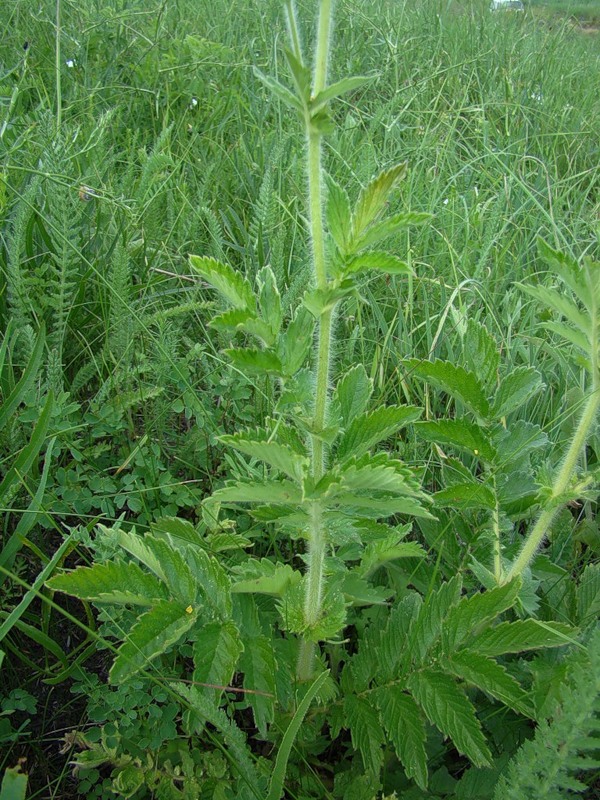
{"x":540,"y":529}
{"x":317,"y":539}
{"x":57,"y":59}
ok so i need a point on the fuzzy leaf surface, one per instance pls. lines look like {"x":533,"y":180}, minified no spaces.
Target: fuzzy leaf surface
{"x":455,"y":381}
{"x":339,"y":88}
{"x":295,"y":343}
{"x":338,"y":213}
{"x":515,"y":389}
{"x":263,"y":577}
{"x":280,"y":91}
{"x":113,"y":582}
{"x":154,"y":632}
{"x":352,"y":393}
{"x":464,"y":496}
{"x":448,"y":708}
{"x":379,"y":261}
{"x":368,"y":429}
{"x":389,"y":227}
{"x":166,"y":562}
{"x":256,"y":444}
{"x":231,"y":284}
{"x":481,"y":353}
{"x":255,"y":362}
{"x":373,"y":198}
{"x":460,"y":433}
{"x":275,"y":492}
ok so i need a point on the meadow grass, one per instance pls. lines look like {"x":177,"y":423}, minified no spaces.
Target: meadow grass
{"x":163,"y":143}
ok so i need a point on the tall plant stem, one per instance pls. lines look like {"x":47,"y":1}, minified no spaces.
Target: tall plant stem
{"x":545,"y":519}
{"x":317,"y":540}
{"x":57,"y":58}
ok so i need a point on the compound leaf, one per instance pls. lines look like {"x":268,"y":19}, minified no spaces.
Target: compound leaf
{"x":216,"y":653}
{"x":460,"y":433}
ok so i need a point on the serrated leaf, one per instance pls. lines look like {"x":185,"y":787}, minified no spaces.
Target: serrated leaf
{"x":263,"y":577}
{"x":382,"y":262}
{"x":515,"y":389}
{"x":213,"y":583}
{"x":373,"y":199}
{"x":282,"y":458}
{"x":359,"y":592}
{"x":280,"y":91}
{"x":455,"y":381}
{"x":352,"y":393}
{"x":481,"y":353}
{"x":490,"y":677}
{"x":113,"y":582}
{"x":566,"y":268}
{"x":404,"y":724}
{"x":366,"y":732}
{"x":318,"y":301}
{"x":428,"y":626}
{"x":447,"y":707}
{"x":465,"y":496}
{"x":515,"y":443}
{"x":338,"y":214}
{"x":386,"y":550}
{"x":572,"y":335}
{"x":232,"y":320}
{"x":295,"y":344}
{"x":269,"y":301}
{"x":180,"y":532}
{"x":588,"y":594}
{"x":368,"y":429}
{"x":255,"y":362}
{"x":528,"y":634}
{"x":476,"y":611}
{"x":376,"y":507}
{"x":339,"y":88}
{"x":231,"y":284}
{"x":274,"y":492}
{"x":460,"y":433}
{"x":375,"y":473}
{"x":216,"y":653}
{"x":164,"y":561}
{"x":259,"y":667}
{"x":394,"y":653}
{"x":388,"y":227}
{"x":562,"y":304}
{"x":154,"y":632}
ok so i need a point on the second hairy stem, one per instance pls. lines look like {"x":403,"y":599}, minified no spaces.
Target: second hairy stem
{"x":317,"y":538}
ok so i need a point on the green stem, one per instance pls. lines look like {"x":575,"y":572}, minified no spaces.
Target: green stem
{"x":497,"y":544}
{"x":57,"y":58}
{"x":322,"y":54}
{"x":317,"y":538}
{"x":540,"y":529}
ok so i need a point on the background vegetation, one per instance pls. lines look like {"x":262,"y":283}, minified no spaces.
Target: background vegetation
{"x":133,"y":133}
